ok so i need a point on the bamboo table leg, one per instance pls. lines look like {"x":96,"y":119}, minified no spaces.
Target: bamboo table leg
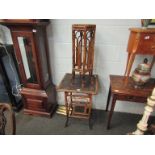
{"x":111,"y":110}
{"x":108,"y":100}
{"x":67,"y":110}
{"x":90,"y":114}
{"x":130,"y":61}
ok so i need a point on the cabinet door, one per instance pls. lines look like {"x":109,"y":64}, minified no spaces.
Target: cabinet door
{"x":27,"y":58}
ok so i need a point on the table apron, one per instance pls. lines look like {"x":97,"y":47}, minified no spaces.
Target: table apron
{"x":130,"y":98}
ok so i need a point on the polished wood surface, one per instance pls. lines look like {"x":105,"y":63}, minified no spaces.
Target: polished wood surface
{"x":75,"y":86}
{"x":123,"y":88}
{"x":141,"y":41}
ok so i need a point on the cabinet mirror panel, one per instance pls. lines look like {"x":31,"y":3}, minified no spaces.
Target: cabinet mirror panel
{"x":27,"y":59}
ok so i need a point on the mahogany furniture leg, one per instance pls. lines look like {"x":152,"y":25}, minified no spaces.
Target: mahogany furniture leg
{"x":67,"y":110}
{"x":111,"y":110}
{"x":129,"y":64}
{"x":153,"y":61}
{"x":108,"y":100}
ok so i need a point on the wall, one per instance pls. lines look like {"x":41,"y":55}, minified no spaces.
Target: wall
{"x":110,"y":55}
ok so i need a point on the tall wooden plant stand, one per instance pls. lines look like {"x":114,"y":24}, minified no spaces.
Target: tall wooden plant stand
{"x":79,"y":86}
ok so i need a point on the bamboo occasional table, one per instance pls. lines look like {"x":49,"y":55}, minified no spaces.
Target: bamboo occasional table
{"x":123,"y":88}
{"x":78,"y":97}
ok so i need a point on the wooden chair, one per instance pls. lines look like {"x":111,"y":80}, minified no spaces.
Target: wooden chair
{"x":7,"y":120}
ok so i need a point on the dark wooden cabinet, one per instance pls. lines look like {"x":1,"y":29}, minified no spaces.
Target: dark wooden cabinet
{"x":30,"y":44}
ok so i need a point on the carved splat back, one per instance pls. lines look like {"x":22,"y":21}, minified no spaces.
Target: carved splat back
{"x":83,"y":40}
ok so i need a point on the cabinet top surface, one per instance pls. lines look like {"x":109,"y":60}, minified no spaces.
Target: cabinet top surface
{"x":10,"y":22}
{"x":125,"y":85}
{"x":75,"y":85}
{"x":143,"y":30}
{"x":83,"y":26}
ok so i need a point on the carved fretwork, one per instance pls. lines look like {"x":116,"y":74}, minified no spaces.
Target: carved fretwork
{"x":83,"y":39}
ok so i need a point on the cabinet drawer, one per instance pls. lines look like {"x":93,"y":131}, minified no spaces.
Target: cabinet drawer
{"x":35,"y":104}
{"x":146,"y":43}
{"x":131,"y":98}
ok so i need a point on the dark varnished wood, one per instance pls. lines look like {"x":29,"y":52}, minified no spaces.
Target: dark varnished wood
{"x":125,"y":85}
{"x":123,"y":88}
{"x":108,"y":100}
{"x":35,"y":103}
{"x":141,"y":41}
{"x":39,"y":22}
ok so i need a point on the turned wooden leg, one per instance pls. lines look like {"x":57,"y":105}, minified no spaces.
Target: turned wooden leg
{"x":108,"y":100}
{"x":130,"y":61}
{"x":111,"y":110}
{"x":152,"y":63}
{"x":143,"y":123}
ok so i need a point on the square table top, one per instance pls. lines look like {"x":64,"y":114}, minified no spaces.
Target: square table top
{"x":75,"y":85}
{"x":125,"y":85}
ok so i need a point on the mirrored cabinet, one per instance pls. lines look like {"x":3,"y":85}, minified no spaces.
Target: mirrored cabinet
{"x":31,"y":49}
